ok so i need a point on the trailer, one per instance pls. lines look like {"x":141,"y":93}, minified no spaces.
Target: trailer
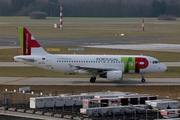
{"x":79,"y":98}
{"x":142,"y":98}
{"x":37,"y":102}
{"x":123,"y":101}
{"x":91,"y":112}
{"x":159,"y":105}
{"x":129,"y":109}
{"x":172,"y":104}
{"x":170,"y":113}
{"x":69,"y":102}
{"x":117,"y":110}
{"x":108,"y":102}
{"x":91,"y":103}
{"x":140,"y":108}
{"x":49,"y":101}
{"x":59,"y":101}
{"x":104,"y":111}
{"x":105,"y":96}
{"x":148,"y":103}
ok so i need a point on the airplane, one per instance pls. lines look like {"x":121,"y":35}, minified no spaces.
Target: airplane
{"x":111,"y":67}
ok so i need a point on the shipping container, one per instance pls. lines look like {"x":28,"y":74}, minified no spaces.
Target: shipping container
{"x":24,"y":89}
{"x":91,"y":112}
{"x":148,"y":103}
{"x":159,"y":105}
{"x":117,"y":110}
{"x":37,"y":102}
{"x":172,"y":104}
{"x":104,"y":111}
{"x":105,"y":96}
{"x":108,"y":102}
{"x":59,"y":101}
{"x":123,"y":101}
{"x":64,"y":95}
{"x":140,"y":108}
{"x":129,"y":109}
{"x":69,"y":102}
{"x":49,"y":101}
{"x":91,"y":103}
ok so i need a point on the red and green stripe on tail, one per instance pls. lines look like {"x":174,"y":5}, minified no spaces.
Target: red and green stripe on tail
{"x":27,"y":41}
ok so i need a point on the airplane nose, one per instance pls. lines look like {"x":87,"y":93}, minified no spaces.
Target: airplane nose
{"x":164,"y":68}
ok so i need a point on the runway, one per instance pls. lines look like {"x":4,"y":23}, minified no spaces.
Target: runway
{"x":85,"y":81}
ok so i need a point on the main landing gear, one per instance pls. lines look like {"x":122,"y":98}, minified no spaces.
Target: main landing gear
{"x":143,"y":80}
{"x":93,"y":79}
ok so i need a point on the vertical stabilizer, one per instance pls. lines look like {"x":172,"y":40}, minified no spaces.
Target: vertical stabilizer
{"x":28,"y":43}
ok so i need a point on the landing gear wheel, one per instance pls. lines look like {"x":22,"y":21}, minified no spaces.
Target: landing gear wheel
{"x":143,"y":80}
{"x":92,"y":79}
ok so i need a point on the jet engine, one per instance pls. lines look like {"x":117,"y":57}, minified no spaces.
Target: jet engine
{"x":112,"y":75}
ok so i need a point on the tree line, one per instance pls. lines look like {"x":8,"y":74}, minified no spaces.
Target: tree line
{"x":92,"y":8}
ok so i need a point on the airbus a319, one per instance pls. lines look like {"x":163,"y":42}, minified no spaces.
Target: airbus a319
{"x":111,"y":67}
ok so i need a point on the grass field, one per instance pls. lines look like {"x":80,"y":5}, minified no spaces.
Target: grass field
{"x":6,"y":55}
{"x":93,"y":31}
{"x":15,"y":19}
{"x":38,"y":72}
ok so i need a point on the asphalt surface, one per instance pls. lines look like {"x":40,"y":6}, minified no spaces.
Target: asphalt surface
{"x":112,"y":43}
{"x":85,"y":81}
{"x":142,"y":46}
{"x":18,"y":114}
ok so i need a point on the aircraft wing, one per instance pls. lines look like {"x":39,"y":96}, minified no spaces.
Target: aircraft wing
{"x":94,"y":69}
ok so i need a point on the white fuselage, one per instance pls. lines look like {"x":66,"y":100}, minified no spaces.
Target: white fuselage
{"x":91,"y":64}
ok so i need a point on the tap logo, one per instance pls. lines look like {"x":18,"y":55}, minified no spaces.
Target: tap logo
{"x":27,"y":38}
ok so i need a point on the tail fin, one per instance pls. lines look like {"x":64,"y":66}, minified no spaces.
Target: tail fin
{"x":28,"y":43}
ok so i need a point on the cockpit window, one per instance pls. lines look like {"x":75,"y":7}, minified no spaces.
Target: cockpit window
{"x":155,"y":62}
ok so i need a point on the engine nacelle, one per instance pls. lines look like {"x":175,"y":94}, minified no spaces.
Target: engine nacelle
{"x":112,"y":75}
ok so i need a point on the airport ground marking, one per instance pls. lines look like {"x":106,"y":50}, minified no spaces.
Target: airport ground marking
{"x":15,"y":80}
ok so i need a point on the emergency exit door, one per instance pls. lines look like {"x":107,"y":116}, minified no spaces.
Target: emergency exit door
{"x":48,"y":61}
